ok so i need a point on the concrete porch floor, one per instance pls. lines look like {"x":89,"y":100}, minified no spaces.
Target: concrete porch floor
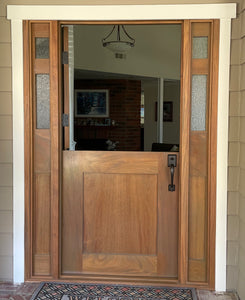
{"x":9,"y":291}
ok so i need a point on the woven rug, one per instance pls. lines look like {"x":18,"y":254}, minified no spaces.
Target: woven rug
{"x":72,"y":291}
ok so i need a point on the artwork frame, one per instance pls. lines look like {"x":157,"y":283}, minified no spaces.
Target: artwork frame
{"x":92,"y":103}
{"x":167,"y":111}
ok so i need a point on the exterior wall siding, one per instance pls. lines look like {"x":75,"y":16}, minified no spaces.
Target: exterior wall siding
{"x":241,"y":238}
{"x":234,"y":159}
{"x":236,"y":176}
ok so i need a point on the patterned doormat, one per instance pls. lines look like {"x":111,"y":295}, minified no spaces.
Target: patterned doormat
{"x":73,"y":291}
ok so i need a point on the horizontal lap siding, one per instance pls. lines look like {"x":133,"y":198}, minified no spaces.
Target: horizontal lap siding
{"x":241,"y":116}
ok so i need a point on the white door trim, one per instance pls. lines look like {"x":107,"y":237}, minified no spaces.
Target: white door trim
{"x":17,"y":13}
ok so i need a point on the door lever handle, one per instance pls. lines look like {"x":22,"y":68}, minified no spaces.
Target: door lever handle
{"x":172,"y":162}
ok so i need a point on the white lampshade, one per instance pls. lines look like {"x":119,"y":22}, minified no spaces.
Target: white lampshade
{"x":118,"y":46}
{"x":118,"y":41}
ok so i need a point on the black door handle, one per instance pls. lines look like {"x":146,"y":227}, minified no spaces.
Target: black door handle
{"x":172,"y":162}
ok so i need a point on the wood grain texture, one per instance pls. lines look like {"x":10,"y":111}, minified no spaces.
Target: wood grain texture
{"x":55,"y":132}
{"x":41,"y":66}
{"x":40,"y":29}
{"x":200,"y":28}
{"x":40,"y":160}
{"x":71,"y":214}
{"x":114,"y":22}
{"x":42,"y":150}
{"x":120,"y":213}
{"x":42,"y":213}
{"x":66,"y":88}
{"x":72,"y":262}
{"x":197,"y":270}
{"x":198,"y":218}
{"x":112,"y":217}
{"x":116,"y":162}
{"x":213,"y":108}
{"x":199,"y":196}
{"x":168,"y":221}
{"x":128,"y":265}
{"x":184,"y":150}
{"x":42,"y":264}
{"x":200,"y":66}
{"x":27,"y":150}
{"x":198,"y":153}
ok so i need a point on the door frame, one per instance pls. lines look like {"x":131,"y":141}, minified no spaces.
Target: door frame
{"x":18,"y":13}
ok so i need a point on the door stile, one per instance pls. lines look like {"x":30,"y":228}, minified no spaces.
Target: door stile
{"x":41,"y":209}
{"x":184,"y":150}
{"x":202,"y":149}
{"x":28,"y":151}
{"x":55,"y":145}
{"x":213,"y":109}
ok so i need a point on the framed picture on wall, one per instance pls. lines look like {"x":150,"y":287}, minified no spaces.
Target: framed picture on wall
{"x":167,"y":111}
{"x":92,"y":103}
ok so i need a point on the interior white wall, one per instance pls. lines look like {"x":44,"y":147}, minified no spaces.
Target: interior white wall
{"x":224,"y":12}
{"x":171,"y":130}
{"x":150,"y":127}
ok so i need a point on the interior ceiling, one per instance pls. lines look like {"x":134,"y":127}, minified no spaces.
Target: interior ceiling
{"x":156,"y":53}
{"x":87,"y":74}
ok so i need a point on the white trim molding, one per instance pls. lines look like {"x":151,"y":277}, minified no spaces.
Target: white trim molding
{"x":224,"y":12}
{"x":125,"y":12}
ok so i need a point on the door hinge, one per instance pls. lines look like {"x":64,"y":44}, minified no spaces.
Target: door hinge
{"x":65,"y":120}
{"x":65,"y":59}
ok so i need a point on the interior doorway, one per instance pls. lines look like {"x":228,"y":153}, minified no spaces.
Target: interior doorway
{"x":141,"y":87}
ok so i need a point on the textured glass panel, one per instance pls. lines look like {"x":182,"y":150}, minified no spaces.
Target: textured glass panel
{"x":200,"y":47}
{"x":42,"y":47}
{"x":43,"y":102}
{"x":198,"y":102}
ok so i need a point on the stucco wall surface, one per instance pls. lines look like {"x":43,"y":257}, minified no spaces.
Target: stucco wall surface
{"x":236,"y":188}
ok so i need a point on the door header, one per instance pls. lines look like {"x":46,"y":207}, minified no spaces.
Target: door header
{"x":121,"y":12}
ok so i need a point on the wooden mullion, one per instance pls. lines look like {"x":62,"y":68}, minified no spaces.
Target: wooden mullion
{"x":184,"y":150}
{"x":124,"y":22}
{"x":55,"y":146}
{"x":66,"y":87}
{"x":213,"y":109}
{"x":27,"y":150}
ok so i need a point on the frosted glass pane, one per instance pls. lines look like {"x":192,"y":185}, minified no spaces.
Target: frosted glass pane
{"x":42,"y":47}
{"x":200,"y":47}
{"x":198,"y":102}
{"x":43,"y":102}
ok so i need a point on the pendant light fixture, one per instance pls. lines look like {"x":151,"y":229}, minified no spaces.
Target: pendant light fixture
{"x":118,"y":41}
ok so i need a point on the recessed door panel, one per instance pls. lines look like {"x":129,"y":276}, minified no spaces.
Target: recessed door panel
{"x":122,"y":223}
{"x":117,"y":216}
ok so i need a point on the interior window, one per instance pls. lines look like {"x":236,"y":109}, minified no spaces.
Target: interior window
{"x":121,"y":87}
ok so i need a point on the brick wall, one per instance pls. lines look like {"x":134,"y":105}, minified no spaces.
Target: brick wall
{"x":124,"y":109}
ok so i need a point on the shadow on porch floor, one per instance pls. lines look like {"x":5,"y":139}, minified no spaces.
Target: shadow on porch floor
{"x":9,"y":291}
